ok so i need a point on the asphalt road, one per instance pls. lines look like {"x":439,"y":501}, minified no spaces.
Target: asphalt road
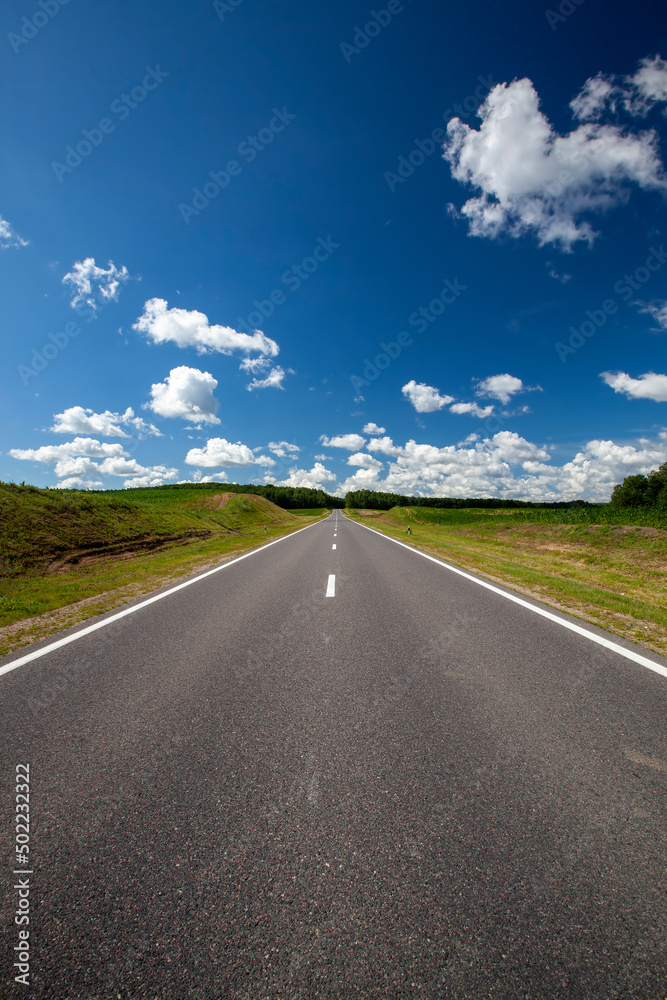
{"x":412,"y":787}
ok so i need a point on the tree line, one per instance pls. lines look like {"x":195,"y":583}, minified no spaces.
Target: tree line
{"x":649,"y":492}
{"x":370,"y":500}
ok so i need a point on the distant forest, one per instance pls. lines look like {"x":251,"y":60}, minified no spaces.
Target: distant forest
{"x":369,"y":500}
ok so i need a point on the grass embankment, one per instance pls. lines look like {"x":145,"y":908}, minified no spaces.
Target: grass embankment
{"x":605,"y":566}
{"x":67,"y":556}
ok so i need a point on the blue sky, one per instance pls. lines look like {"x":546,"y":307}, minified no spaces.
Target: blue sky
{"x":398,"y":246}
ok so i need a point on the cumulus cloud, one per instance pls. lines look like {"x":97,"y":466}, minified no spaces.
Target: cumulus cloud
{"x":274,"y":380}
{"x":425,"y":398}
{"x":531,"y":180}
{"x":76,"y":483}
{"x":92,"y":284}
{"x":648,"y":386}
{"x":77,"y":420}
{"x":50,"y":453}
{"x":373,"y":429}
{"x":156,"y":476}
{"x":472,"y":409}
{"x":314,"y":479}
{"x":190,"y":328}
{"x":283,"y":448}
{"x":215,"y":477}
{"x":637,"y":94}
{"x":219,"y":451}
{"x":656,"y":309}
{"x":351,"y":442}
{"x":73,"y":460}
{"x":364,"y":461}
{"x":9,"y":237}
{"x":186,"y":393}
{"x":594,"y":97}
{"x":507,"y":465}
{"x":503,"y":387}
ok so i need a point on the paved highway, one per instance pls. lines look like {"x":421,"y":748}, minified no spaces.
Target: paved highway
{"x":335,"y":768}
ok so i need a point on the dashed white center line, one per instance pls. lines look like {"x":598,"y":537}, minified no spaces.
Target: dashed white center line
{"x":333,"y":546}
{"x":331,"y":586}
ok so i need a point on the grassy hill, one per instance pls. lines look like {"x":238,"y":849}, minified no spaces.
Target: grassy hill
{"x":42,"y":529}
{"x":67,"y":555}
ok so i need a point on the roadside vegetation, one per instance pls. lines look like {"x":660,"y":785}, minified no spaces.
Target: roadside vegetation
{"x":66,"y":555}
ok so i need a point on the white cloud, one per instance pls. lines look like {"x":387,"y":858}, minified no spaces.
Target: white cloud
{"x":283,"y":448}
{"x":9,"y":237}
{"x":274,"y":380}
{"x":190,"y":328}
{"x":656,"y":309}
{"x":72,"y":460}
{"x":636,"y":94}
{"x":365,"y":461}
{"x":216,"y":477}
{"x":50,"y":453}
{"x":351,"y":442}
{"x":70,"y":465}
{"x":648,"y":386}
{"x":76,"y":483}
{"x":314,"y":479}
{"x":77,"y":420}
{"x":219,"y":451}
{"x":563,"y":278}
{"x":255,"y":365}
{"x":501,"y":387}
{"x":472,"y":409}
{"x":649,"y":84}
{"x":534,"y":181}
{"x":155,"y":476}
{"x":373,"y":429}
{"x":425,"y":398}
{"x":186,"y":393}
{"x":596,"y":94}
{"x":92,"y":284}
{"x":507,"y":465}
{"x":385,"y":446}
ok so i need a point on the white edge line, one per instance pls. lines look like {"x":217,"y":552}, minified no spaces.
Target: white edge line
{"x":65,"y":641}
{"x":601,"y":641}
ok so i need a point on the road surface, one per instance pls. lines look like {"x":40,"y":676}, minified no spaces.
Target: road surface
{"x":335,"y":769}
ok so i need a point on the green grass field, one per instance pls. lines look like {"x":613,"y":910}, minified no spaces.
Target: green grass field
{"x":603,"y":565}
{"x":65,"y":556}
